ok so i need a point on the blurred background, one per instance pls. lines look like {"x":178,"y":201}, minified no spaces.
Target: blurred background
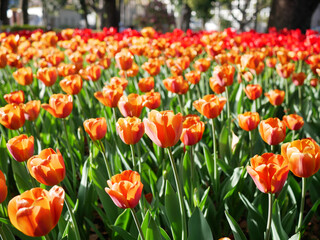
{"x":163,"y":15}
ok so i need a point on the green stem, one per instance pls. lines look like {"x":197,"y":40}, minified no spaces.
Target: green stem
{"x":272,"y":148}
{"x":303,"y":197}
{"x":180,"y":194}
{"x":46,"y":237}
{"x":71,"y":156}
{"x":287,"y":93}
{"x":136,"y":220}
{"x":139,"y":158}
{"x":32,"y":93}
{"x":228,"y":103}
{"x":180,"y":103}
{"x":133,"y":158}
{"x":192,"y":172}
{"x":300,"y":97}
{"x":293,"y":133}
{"x":73,"y":219}
{"x":103,"y":152}
{"x":215,"y":167}
{"x":270,"y":204}
{"x":198,"y":90}
{"x":250,"y":143}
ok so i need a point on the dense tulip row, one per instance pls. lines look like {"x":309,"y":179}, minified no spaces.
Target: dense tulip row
{"x":182,"y":166}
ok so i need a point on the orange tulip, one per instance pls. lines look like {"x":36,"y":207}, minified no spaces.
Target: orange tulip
{"x":14,"y":97}
{"x":12,"y":116}
{"x":176,"y":71}
{"x":303,"y":157}
{"x":193,"y":77}
{"x":283,"y":56}
{"x":125,"y":189}
{"x":49,"y":38}
{"x":21,"y":147}
{"x":37,"y":211}
{"x":224,"y":74}
{"x":54,"y":59}
{"x":66,"y":69}
{"x":146,"y":84}
{"x":131,"y":105}
{"x":202,"y":65}
{"x":105,"y":62}
{"x":192,"y":130}
{"x":130,"y":129}
{"x":152,"y":66}
{"x":48,"y":167}
{"x":253,"y":62}
{"x":148,"y":32}
{"x":275,"y":97}
{"x":124,"y":59}
{"x":71,"y":84}
{"x":314,"y":81}
{"x":60,"y":105}
{"x":91,"y":73}
{"x":110,"y":95}
{"x":152,"y":100}
{"x":23,"y":76}
{"x":249,"y":120}
{"x":47,"y":75}
{"x":132,"y":72}
{"x":285,"y":70}
{"x":298,"y":78}
{"x":176,"y":85}
{"x":269,"y":172}
{"x":3,"y":187}
{"x":163,"y":128}
{"x":271,"y":62}
{"x":183,"y":62}
{"x":3,"y":59}
{"x":96,"y":128}
{"x":215,"y":85}
{"x":119,"y":81}
{"x":210,"y":106}
{"x":253,"y":91}
{"x":67,"y":33}
{"x":272,"y":131}
{"x":31,"y":110}
{"x":293,"y":121}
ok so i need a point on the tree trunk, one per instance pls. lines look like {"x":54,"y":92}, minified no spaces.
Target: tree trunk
{"x":3,"y":12}
{"x":292,"y":14}
{"x":24,"y":7}
{"x":113,"y":16}
{"x":84,"y":12}
{"x":186,"y":16}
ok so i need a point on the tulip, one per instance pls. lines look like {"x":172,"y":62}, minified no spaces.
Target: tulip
{"x":21,"y":147}
{"x":146,"y":84}
{"x":152,"y":66}
{"x":176,"y":85}
{"x":210,"y":105}
{"x":130,"y":129}
{"x":192,"y":130}
{"x":303,"y":157}
{"x":298,"y":78}
{"x":131,"y":105}
{"x":148,"y":32}
{"x":119,"y":81}
{"x":31,"y":110}
{"x":215,"y":85}
{"x":253,"y":62}
{"x":14,"y":97}
{"x":91,"y":58}
{"x":285,"y":70}
{"x":249,"y":121}
{"x":125,"y":189}
{"x":202,"y":65}
{"x":293,"y":121}
{"x":71,"y":84}
{"x":3,"y":188}
{"x":163,"y":128}
{"x":271,"y":62}
{"x":96,"y":128}
{"x":183,"y":62}
{"x":105,"y":62}
{"x":60,"y":105}
{"x":193,"y":77}
{"x":66,"y":69}
{"x":124,"y":60}
{"x":314,"y":81}
{"x":48,"y":167}
{"x":269,"y":172}
{"x":152,"y":100}
{"x":12,"y":116}
{"x":110,"y":95}
{"x":224,"y":74}
{"x":37,"y":211}
{"x":54,"y":59}
{"x":92,"y":73}
{"x":132,"y":72}
{"x":253,"y":91}
{"x":47,"y":75}
{"x":176,"y":70}
{"x":275,"y":97}
{"x":272,"y":131}
{"x":3,"y":59}
{"x":23,"y":76}
{"x":67,"y":33}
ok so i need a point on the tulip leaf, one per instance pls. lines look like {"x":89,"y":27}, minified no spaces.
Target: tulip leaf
{"x":211,"y":168}
{"x":186,"y":175}
{"x":93,"y":226}
{"x":204,"y":199}
{"x":276,"y":225}
{"x":235,"y":228}
{"x":231,"y":183}
{"x":123,"y":221}
{"x":173,"y":211}
{"x":5,"y":232}
{"x":224,"y":146}
{"x":288,"y":221}
{"x":4,"y":156}
{"x":123,"y":233}
{"x":22,"y":178}
{"x":164,"y":234}
{"x":310,"y":214}
{"x":150,"y":228}
{"x":295,"y":237}
{"x":198,"y":227}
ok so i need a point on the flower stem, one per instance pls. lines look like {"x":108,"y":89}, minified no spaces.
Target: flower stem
{"x":215,"y":167}
{"x":303,"y":197}
{"x":73,"y":219}
{"x":250,"y":143}
{"x":293,"y":133}
{"x":180,"y":103}
{"x":46,"y":237}
{"x":133,"y":158}
{"x":287,"y":93}
{"x":180,"y":194}
{"x":198,"y":90}
{"x":136,"y":220}
{"x":192,"y":172}
{"x":103,"y":152}
{"x":228,"y":104}
{"x":71,"y":156}
{"x":270,"y":204}
{"x":300,"y":97}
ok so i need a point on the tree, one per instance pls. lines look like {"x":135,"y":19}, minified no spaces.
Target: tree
{"x":292,"y":14}
{"x":84,"y":12}
{"x":183,"y":10}
{"x":3,"y":12}
{"x":202,"y":9}
{"x":24,"y":6}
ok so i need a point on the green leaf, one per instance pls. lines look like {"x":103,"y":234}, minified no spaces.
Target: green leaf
{"x":276,"y":225}
{"x":186,"y":173}
{"x":150,"y":228}
{"x":230,"y":184}
{"x":198,"y":226}
{"x":310,"y":214}
{"x":288,"y":221}
{"x":123,"y":221}
{"x":235,"y":228}
{"x":92,"y":225}
{"x":164,"y":234}
{"x":5,"y":233}
{"x":224,"y":147}
{"x":173,"y":211}
{"x":211,"y":168}
{"x":21,"y":177}
{"x":295,"y":237}
{"x":204,"y":199}
{"x":123,"y":233}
